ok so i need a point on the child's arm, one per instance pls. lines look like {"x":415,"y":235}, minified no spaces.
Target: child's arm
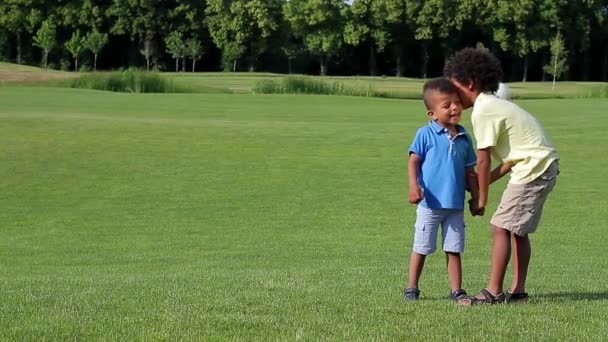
{"x":472,"y":182}
{"x":500,"y":171}
{"x":473,"y":187}
{"x":484,"y":161}
{"x":413,"y":165}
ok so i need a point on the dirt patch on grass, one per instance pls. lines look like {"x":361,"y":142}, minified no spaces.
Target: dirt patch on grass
{"x":13,"y":73}
{"x":12,"y":76}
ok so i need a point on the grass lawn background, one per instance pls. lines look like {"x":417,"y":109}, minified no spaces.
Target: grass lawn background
{"x":225,"y":216}
{"x":244,"y":82}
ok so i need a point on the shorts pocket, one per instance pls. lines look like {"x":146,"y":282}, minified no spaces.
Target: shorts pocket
{"x":425,"y":241}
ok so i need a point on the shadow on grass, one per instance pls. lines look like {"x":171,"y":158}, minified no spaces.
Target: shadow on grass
{"x":582,"y":296}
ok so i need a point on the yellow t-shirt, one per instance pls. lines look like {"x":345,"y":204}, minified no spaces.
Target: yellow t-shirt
{"x":514,"y":136}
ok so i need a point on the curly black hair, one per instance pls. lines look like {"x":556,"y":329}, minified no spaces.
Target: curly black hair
{"x":439,"y":84}
{"x":477,"y":65}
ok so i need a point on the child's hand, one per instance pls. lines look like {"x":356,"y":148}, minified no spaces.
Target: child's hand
{"x":415,"y":195}
{"x":474,"y":208}
{"x":481,"y":209}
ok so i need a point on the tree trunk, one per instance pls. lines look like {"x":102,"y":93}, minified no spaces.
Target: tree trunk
{"x":398,"y":71}
{"x":147,"y":63}
{"x":95,"y":62}
{"x":425,"y":59}
{"x":184,"y":64}
{"x":234,"y":66}
{"x":554,"y":72}
{"x":605,"y":76}
{"x":177,"y":64}
{"x":543,"y":73}
{"x":289,"y":65}
{"x":75,"y":64}
{"x":18,"y":47}
{"x":586,"y":65}
{"x":398,"y":60}
{"x":46,"y":56}
{"x":446,"y":52}
{"x":372,"y":60}
{"x":193,"y":64}
{"x":525,"y":77}
{"x":323,"y":70}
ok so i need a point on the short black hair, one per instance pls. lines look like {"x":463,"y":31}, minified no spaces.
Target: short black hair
{"x":439,"y":84}
{"x":475,"y":64}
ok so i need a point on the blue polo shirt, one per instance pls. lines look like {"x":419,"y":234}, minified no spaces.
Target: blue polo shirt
{"x":444,"y":159}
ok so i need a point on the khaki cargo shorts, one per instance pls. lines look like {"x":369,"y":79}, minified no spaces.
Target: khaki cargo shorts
{"x":521,"y":206}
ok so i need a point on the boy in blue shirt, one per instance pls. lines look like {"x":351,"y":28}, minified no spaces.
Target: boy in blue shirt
{"x":441,"y":168}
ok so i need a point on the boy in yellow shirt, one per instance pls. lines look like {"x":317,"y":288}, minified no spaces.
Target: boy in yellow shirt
{"x":517,"y":139}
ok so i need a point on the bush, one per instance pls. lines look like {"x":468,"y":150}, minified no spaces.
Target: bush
{"x":130,"y":81}
{"x":65,"y":64}
{"x":85,"y":68}
{"x":595,"y":91}
{"x":308,"y":85}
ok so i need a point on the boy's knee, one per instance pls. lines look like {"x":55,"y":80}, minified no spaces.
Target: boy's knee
{"x":496,"y":230}
{"x":423,"y":250}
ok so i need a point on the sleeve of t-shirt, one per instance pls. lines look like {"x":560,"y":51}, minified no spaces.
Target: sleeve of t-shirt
{"x":487,"y":128}
{"x":419,"y":145}
{"x":471,"y":158}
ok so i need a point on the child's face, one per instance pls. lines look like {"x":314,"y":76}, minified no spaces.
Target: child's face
{"x":466,"y":92}
{"x":445,"y":108}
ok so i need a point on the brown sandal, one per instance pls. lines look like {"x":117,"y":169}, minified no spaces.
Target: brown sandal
{"x":484,"y":297}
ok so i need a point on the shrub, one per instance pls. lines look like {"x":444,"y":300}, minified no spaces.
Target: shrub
{"x":309,"y":85}
{"x":65,"y":64}
{"x":595,"y":91}
{"x":130,"y":80}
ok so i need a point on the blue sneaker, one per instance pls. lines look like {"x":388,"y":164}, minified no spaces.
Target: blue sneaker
{"x":458,"y":294}
{"x":411,"y":293}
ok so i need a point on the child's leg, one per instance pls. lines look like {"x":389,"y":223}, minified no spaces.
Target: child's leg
{"x":454,"y":270}
{"x":425,"y":241}
{"x":416,"y":266}
{"x":501,"y":252}
{"x":453,"y":236}
{"x":521,"y":259}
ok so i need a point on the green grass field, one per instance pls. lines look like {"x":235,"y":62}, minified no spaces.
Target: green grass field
{"x":241,"y":217}
{"x":244,"y":82}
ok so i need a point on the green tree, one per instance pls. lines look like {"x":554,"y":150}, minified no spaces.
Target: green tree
{"x":176,"y":47}
{"x":45,"y":39}
{"x":246,"y":23}
{"x":436,"y":20}
{"x":76,"y":45}
{"x":187,"y":18}
{"x":367,"y":23}
{"x":602,"y":34}
{"x":80,"y":13}
{"x":148,"y":50}
{"x":94,"y":42}
{"x":559,"y":57}
{"x":142,"y":20}
{"x":291,"y":51}
{"x":18,"y":17}
{"x":320,"y":25}
{"x":521,"y":26}
{"x":194,"y":49}
{"x":231,"y":53}
{"x":577,"y":18}
{"x":400,"y":28}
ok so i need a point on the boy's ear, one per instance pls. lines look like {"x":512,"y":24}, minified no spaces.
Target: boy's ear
{"x":471,"y":85}
{"x":430,"y":113}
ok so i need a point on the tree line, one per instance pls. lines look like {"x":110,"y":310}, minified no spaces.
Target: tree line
{"x":358,"y":37}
